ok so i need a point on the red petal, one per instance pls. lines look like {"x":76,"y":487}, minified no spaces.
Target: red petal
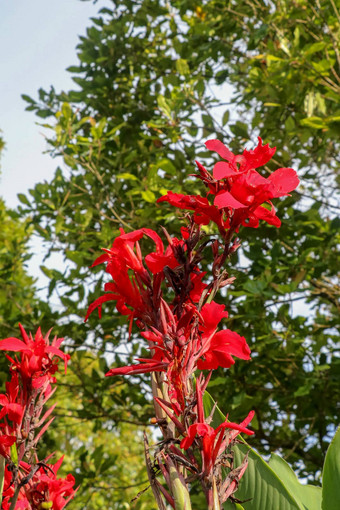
{"x":226,"y":199}
{"x":269,"y":216}
{"x":230,"y":342}
{"x":13,"y":344}
{"x":221,"y":149}
{"x":98,"y":303}
{"x":259,"y":156}
{"x":99,"y":260}
{"x":284,"y":181}
{"x":223,"y":170}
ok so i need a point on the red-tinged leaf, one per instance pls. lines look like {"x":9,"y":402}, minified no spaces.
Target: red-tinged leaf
{"x":226,"y":199}
{"x":172,"y":417}
{"x":46,"y":415}
{"x":142,"y":368}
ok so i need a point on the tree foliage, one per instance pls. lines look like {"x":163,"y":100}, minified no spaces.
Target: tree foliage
{"x":149,"y":83}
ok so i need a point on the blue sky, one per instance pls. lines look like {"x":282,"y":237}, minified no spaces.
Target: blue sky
{"x":37,"y":42}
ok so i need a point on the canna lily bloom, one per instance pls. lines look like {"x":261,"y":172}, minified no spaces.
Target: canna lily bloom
{"x":188,"y":343}
{"x":219,"y":347}
{"x":47,"y":488}
{"x":10,"y":407}
{"x":37,"y":363}
{"x":42,"y":490}
{"x":244,"y":189}
{"x":212,"y":439}
{"x":131,"y":293}
{"x":242,"y":195}
{"x":204,"y":212}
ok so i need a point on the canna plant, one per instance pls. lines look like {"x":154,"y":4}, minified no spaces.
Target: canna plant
{"x":28,"y":483}
{"x":170,"y":296}
{"x":171,"y":300}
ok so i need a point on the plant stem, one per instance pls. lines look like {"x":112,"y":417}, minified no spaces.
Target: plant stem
{"x":2,"y":475}
{"x":15,"y":498}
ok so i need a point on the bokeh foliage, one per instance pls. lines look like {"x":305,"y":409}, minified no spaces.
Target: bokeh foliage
{"x":149,"y":89}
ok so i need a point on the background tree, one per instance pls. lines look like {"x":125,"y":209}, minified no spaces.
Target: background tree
{"x":150,"y":78}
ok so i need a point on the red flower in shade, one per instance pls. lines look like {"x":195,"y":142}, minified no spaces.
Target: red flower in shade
{"x":212,"y":439}
{"x":42,"y":490}
{"x":37,"y":356}
{"x":10,"y":407}
{"x":6,"y":441}
{"x":46,"y":487}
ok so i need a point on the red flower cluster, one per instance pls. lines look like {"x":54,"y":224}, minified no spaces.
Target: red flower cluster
{"x":181,"y":339}
{"x":42,"y":490}
{"x":23,"y":422}
{"x":214,"y":441}
{"x":239,"y":190}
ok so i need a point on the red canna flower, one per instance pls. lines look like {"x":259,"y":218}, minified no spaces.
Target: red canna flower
{"x":204,"y":212}
{"x":212,"y":439}
{"x":240,"y":191}
{"x":42,"y":490}
{"x":243,"y":189}
{"x":37,"y":363}
{"x":130,"y":291}
{"x":219,"y":347}
{"x":10,"y":407}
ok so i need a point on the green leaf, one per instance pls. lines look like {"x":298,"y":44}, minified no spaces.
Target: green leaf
{"x":261,"y":484}
{"x":14,"y":454}
{"x":23,"y":199}
{"x":225,"y":117}
{"x":319,"y":46}
{"x":331,"y":475}
{"x":314,"y":122}
{"x":240,"y":129}
{"x":309,"y":496}
{"x":149,"y":196}
{"x":164,"y":106}
{"x":127,"y":177}
{"x":182,"y":66}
